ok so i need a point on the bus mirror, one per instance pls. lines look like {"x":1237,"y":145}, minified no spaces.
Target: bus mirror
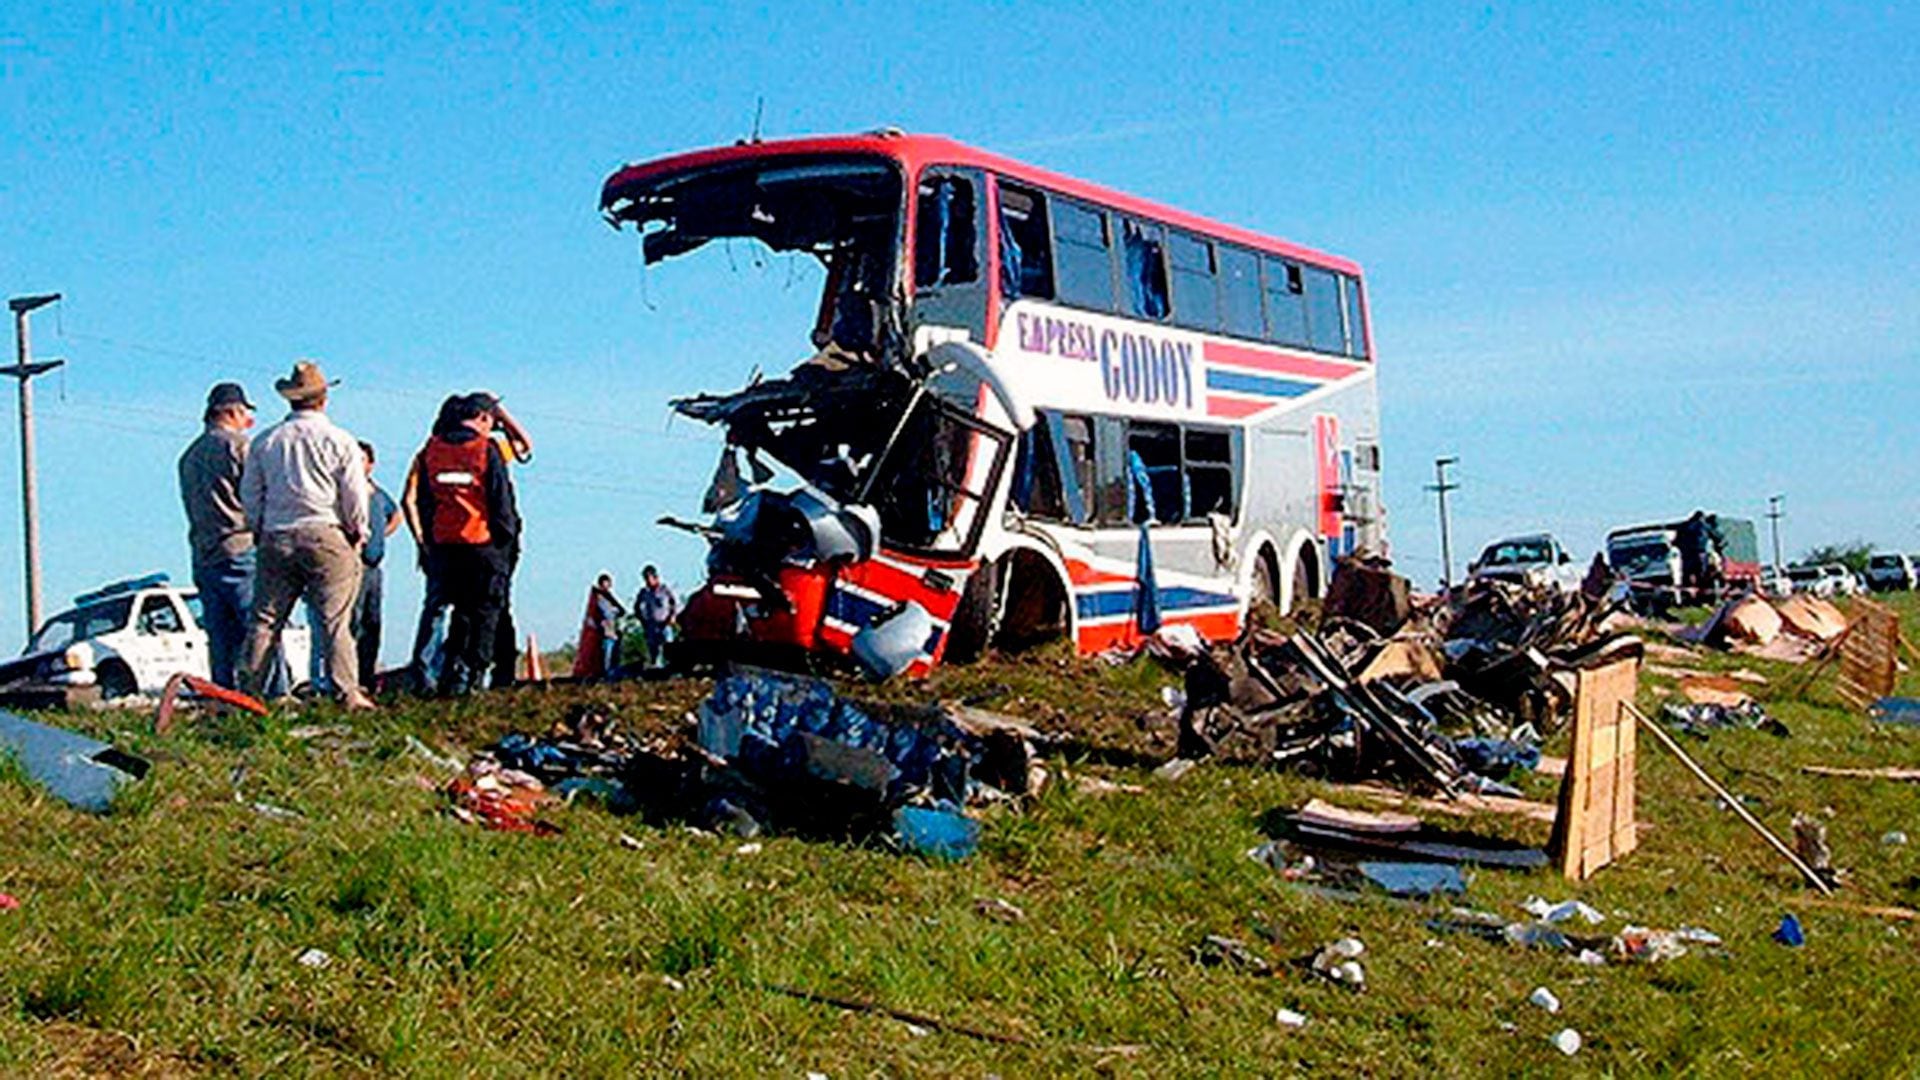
{"x":970,"y":358}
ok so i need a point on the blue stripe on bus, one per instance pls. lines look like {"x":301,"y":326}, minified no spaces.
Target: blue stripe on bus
{"x":1257,"y":384}
{"x":1120,"y":602}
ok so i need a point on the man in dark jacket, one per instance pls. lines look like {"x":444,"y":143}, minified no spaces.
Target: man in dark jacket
{"x":223,"y":555}
{"x":467,"y":510}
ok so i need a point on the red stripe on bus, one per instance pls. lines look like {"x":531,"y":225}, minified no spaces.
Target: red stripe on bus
{"x":1082,"y":574}
{"x":1235,"y":408}
{"x":1219,"y":352}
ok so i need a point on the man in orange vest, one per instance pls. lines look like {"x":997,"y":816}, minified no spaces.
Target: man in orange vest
{"x":466,"y":508}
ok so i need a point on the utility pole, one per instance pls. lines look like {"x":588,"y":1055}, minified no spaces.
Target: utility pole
{"x":1774,"y":515}
{"x":25,"y":369}
{"x":1440,"y":487}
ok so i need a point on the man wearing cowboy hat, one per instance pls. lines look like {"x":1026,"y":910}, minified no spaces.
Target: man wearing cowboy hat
{"x":305,"y":491}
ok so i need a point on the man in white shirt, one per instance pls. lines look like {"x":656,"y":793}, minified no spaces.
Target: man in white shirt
{"x":305,"y":493}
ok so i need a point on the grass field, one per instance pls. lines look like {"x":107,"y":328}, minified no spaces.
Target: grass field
{"x":162,"y":939}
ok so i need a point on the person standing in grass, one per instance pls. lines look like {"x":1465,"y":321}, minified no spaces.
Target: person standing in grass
{"x":466,"y":505}
{"x":217,"y":531}
{"x":657,"y":607}
{"x":383,"y":517}
{"x":305,"y":494}
{"x":598,"y":652}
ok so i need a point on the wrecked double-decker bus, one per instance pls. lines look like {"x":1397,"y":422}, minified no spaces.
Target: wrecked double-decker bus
{"x":1034,"y":407}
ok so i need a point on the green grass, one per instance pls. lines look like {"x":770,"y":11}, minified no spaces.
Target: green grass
{"x":163,"y":936}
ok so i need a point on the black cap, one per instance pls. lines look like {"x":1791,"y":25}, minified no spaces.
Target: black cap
{"x":484,"y":400}
{"x":228,"y":393}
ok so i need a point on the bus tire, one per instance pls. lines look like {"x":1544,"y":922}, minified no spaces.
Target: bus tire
{"x":972,"y":625}
{"x":1033,"y":609}
{"x":1264,"y":594}
{"x":1306,"y":579}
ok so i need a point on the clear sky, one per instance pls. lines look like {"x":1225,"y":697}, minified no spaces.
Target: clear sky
{"x":1625,"y":260}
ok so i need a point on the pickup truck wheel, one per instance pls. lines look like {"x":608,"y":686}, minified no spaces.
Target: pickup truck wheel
{"x":116,"y":680}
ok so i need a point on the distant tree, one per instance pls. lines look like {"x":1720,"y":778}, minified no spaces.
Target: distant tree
{"x":1852,"y":555}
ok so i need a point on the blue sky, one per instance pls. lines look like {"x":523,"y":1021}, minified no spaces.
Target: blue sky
{"x":1624,"y":260}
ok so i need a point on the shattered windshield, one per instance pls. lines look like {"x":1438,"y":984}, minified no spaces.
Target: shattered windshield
{"x":927,"y":476}
{"x":1518,"y":553}
{"x":843,"y":210}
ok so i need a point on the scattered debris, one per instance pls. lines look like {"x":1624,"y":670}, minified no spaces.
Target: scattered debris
{"x":202,"y":689}
{"x":1173,"y":770}
{"x":753,"y":848}
{"x":1731,"y":801}
{"x":1289,"y":1018}
{"x":1217,"y":951}
{"x":314,"y":959}
{"x":1701,"y":719}
{"x":631,"y":843}
{"x":81,"y":772}
{"x":1544,"y":998}
{"x":1895,"y":838}
{"x":1562,"y":911}
{"x":934,"y":1023}
{"x":1896,"y":710}
{"x":1883,"y":772}
{"x":489,"y":794}
{"x":1400,"y":837}
{"x":1420,"y":880}
{"x":999,"y":910}
{"x":1340,"y":963}
{"x":1810,"y":843}
{"x":1567,"y":1041}
{"x":1790,"y":932}
{"x":9,"y":902}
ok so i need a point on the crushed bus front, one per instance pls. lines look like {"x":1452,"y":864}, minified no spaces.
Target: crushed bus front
{"x":867,"y":551}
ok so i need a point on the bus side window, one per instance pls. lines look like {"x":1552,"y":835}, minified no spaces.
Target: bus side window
{"x":1025,"y":269}
{"x":1196,"y":296}
{"x":1111,"y":483}
{"x":1326,"y":331}
{"x":1286,"y":303}
{"x":1158,"y":448}
{"x":1083,"y":256}
{"x":1210,"y":473}
{"x":1146,"y":270}
{"x":1240,"y":293}
{"x":1356,"y":319}
{"x":1053,"y":479}
{"x":943,"y":246}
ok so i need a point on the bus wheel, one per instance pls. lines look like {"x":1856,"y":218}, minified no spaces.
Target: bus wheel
{"x":972,"y":624}
{"x":1306,"y":584}
{"x":1263,"y":606}
{"x":1035,"y":606}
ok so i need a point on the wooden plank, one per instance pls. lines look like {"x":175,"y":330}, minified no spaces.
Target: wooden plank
{"x":1882,"y":773}
{"x":1596,"y":821}
{"x":1463,"y":806}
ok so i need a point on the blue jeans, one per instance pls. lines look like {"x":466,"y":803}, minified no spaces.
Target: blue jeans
{"x":656,"y":635}
{"x":226,"y":594}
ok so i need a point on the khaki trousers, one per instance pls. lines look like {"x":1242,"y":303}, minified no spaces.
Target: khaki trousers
{"x":315,"y":563}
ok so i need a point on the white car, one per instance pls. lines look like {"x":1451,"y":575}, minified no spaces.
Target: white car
{"x":128,"y":638}
{"x":1528,"y":560}
{"x":1845,"y":581}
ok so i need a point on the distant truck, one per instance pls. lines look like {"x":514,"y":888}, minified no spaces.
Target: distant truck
{"x":1696,"y":560}
{"x":1890,"y":571}
{"x":1534,"y":559}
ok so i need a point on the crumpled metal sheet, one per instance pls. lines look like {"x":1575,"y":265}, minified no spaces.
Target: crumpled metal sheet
{"x":84,"y":773}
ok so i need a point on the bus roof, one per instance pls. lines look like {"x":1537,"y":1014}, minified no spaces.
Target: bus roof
{"x":916,"y":151}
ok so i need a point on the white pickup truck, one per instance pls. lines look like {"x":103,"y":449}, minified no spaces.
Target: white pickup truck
{"x":127,"y":638}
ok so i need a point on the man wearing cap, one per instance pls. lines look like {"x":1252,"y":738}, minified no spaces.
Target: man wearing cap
{"x":210,"y":473}
{"x":466,"y":509}
{"x":516,"y":447}
{"x":305,"y":492}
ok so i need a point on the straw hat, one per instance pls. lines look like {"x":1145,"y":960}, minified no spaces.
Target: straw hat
{"x":306,"y":383}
